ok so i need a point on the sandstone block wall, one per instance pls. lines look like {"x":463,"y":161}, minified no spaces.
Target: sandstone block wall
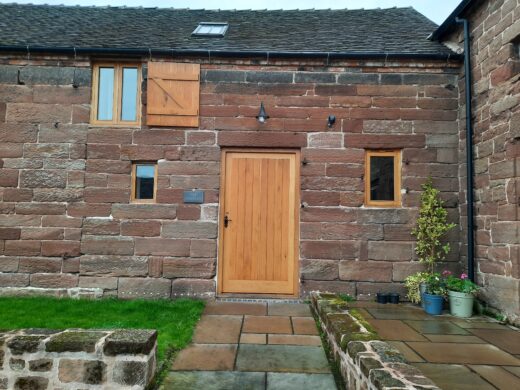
{"x":495,"y":31}
{"x":66,"y":220}
{"x":40,"y":359}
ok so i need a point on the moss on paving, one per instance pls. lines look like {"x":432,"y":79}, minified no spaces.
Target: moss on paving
{"x":173,"y":319}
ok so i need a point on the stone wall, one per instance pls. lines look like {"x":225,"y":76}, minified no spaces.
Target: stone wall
{"x":495,"y":28}
{"x":364,"y":361}
{"x":66,"y":220}
{"x":40,"y":359}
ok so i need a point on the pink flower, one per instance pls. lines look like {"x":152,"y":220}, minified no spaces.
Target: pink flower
{"x":446,"y":273}
{"x":463,"y":276}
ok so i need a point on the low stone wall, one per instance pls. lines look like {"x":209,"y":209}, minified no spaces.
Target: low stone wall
{"x":40,"y":359}
{"x":364,"y":361}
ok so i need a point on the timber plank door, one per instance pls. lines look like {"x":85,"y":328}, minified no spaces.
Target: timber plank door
{"x":259,"y":222}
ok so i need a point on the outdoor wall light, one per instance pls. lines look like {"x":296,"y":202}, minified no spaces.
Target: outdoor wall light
{"x":331,"y":120}
{"x":262,"y":115}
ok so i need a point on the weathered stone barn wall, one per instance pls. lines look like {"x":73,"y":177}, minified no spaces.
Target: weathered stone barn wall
{"x":495,"y":28}
{"x":65,"y":186}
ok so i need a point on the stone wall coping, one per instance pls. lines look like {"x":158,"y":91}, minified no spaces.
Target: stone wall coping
{"x":364,"y":360}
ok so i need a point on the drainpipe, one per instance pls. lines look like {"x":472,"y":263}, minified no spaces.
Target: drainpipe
{"x":469,"y":151}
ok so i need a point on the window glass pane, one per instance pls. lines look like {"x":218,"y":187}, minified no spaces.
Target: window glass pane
{"x":204,"y":29}
{"x":105,"y":94}
{"x":382,"y":178}
{"x":129,"y":98}
{"x":144,"y":181}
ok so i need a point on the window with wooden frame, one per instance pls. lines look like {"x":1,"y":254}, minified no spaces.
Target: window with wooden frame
{"x":144,"y":182}
{"x":116,"y":95}
{"x":383,"y":178}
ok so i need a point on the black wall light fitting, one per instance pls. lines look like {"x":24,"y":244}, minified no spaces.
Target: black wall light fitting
{"x":331,"y":120}
{"x":262,"y":115}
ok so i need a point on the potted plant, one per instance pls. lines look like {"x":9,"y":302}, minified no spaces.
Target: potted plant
{"x":461,"y":293}
{"x":431,"y":226}
{"x":416,"y":286}
{"x":435,"y":294}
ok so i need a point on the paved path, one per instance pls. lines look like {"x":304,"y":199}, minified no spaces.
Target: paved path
{"x":267,"y":346}
{"x":457,"y":354}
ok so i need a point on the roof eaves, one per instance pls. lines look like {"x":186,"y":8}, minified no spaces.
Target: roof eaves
{"x":450,"y":20}
{"x":231,"y":53}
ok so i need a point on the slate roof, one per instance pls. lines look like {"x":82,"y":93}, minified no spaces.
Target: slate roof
{"x":383,"y":31}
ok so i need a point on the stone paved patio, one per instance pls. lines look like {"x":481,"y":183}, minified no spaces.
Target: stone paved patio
{"x":253,"y":346}
{"x":457,"y":354}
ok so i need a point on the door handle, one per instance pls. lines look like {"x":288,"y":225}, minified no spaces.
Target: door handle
{"x":226,"y":221}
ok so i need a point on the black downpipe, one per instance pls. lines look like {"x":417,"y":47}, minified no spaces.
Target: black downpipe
{"x":469,"y":150}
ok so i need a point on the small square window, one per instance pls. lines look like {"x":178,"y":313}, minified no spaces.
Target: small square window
{"x":383,"y":178}
{"x":144,"y":182}
{"x":205,"y":29}
{"x":115,"y":95}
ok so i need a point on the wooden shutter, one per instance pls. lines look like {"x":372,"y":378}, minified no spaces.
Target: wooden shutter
{"x":173,"y":94}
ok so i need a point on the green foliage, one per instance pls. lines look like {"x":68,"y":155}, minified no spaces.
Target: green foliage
{"x":346,"y":297}
{"x":436,"y":284}
{"x":412,"y":284}
{"x":461,"y":284}
{"x":174,"y":320}
{"x":431,"y":226}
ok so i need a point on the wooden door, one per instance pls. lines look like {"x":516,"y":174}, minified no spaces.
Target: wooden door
{"x":259,"y":223}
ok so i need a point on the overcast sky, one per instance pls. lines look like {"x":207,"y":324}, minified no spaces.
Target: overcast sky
{"x":436,"y":10}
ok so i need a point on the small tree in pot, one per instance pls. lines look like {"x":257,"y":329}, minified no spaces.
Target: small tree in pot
{"x":431,"y":226}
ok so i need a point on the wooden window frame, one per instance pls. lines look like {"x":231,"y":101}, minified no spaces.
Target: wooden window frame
{"x":396,"y":154}
{"x":116,"y":98}
{"x":133,"y":199}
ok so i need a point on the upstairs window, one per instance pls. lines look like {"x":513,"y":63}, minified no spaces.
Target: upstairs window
{"x":205,"y":29}
{"x":144,"y":182}
{"x":383,"y":178}
{"x":116,"y":95}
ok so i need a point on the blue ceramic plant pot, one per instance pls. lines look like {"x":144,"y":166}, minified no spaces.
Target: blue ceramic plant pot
{"x":433,"y":304}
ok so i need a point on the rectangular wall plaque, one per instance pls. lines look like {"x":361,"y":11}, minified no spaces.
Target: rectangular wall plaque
{"x":194,"y":196}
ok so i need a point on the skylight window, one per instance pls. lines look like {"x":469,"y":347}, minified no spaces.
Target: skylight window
{"x":210,"y":29}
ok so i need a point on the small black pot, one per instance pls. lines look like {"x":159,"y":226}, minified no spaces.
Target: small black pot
{"x":394,"y":298}
{"x":382,"y":298}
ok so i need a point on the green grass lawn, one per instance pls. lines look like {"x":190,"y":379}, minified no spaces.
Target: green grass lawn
{"x":174,"y":320}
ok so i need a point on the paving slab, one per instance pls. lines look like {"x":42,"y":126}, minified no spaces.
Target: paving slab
{"x":265,"y":324}
{"x":293,"y":339}
{"x":236,"y":308}
{"x":282,"y":358}
{"x":206,"y":357}
{"x":450,"y":338}
{"x":253,"y":338}
{"x":289,"y":309}
{"x":399,"y":313}
{"x":480,"y":324}
{"x":513,"y":370}
{"x":437,"y":327}
{"x":498,"y":377}
{"x":279,"y":381}
{"x":455,"y":353}
{"x":508,"y":340}
{"x":395,"y":330}
{"x":213,"y":329}
{"x":453,"y":377}
{"x":304,"y":325}
{"x":408,"y":353}
{"x":214,"y":380}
